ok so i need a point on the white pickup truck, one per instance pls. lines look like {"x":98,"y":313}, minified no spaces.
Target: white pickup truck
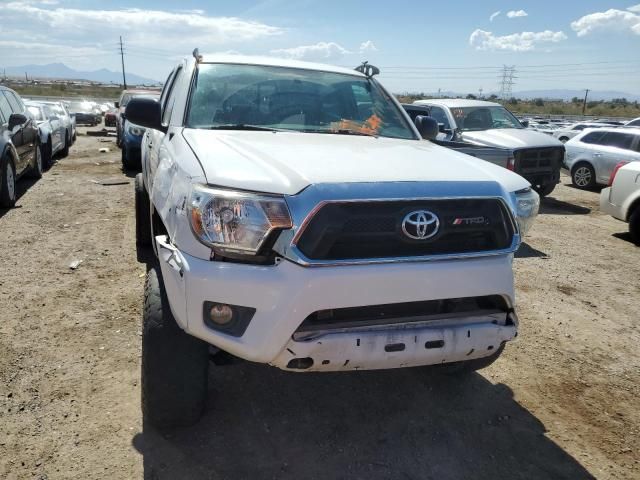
{"x":298,"y":220}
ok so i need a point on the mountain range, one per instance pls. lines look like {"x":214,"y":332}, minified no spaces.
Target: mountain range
{"x":60,"y":70}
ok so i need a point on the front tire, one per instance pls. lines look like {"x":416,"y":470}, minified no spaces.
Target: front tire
{"x":583,"y":176}
{"x":143,"y":215}
{"x":37,"y":167}
{"x":8,"y":185}
{"x":634,"y":225}
{"x":175,"y":365}
{"x":544,"y":190}
{"x":67,"y":142}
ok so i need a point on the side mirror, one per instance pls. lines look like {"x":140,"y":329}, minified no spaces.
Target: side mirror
{"x":525,"y":123}
{"x":16,"y":119}
{"x":116,"y":104}
{"x":427,"y":127}
{"x":145,"y":112}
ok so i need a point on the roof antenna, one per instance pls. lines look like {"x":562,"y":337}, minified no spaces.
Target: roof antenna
{"x":196,"y":55}
{"x":367,"y":69}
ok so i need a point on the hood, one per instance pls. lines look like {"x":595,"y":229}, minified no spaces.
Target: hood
{"x":511,"y":138}
{"x":288,"y":162}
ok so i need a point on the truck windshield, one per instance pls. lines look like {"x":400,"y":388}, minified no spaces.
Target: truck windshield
{"x":244,"y":96}
{"x":484,"y":118}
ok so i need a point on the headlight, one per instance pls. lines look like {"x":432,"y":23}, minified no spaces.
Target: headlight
{"x":136,"y":131}
{"x":527,"y":205}
{"x":235,"y":222}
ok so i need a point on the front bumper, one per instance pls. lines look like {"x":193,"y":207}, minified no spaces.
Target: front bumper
{"x":284,"y":294}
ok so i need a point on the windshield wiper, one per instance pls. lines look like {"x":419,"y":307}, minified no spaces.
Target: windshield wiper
{"x":243,"y":126}
{"x":342,"y":131}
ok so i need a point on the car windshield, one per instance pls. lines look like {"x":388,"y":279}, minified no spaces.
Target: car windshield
{"x":263,"y":97}
{"x":36,"y":112}
{"x":484,"y":118}
{"x":80,"y":107}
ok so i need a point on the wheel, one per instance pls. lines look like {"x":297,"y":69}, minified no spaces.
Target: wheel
{"x":47,"y":154}
{"x":175,"y":365}
{"x":74,"y":137}
{"x":544,"y":190}
{"x":36,"y":169}
{"x":583,"y":176}
{"x":634,"y":225}
{"x":143,"y":216}
{"x":468,"y":366}
{"x":67,"y":141}
{"x":8,"y":185}
{"x":564,"y":139}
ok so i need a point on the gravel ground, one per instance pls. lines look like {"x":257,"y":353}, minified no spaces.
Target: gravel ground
{"x":562,"y":402}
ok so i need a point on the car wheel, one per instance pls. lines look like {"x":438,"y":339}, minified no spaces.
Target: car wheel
{"x":175,"y":365}
{"x":544,"y":190}
{"x":8,"y":185}
{"x":47,"y":154}
{"x":67,"y":141}
{"x":143,"y":214}
{"x":74,"y":137}
{"x":583,"y":176}
{"x":564,"y":139}
{"x":36,"y":169}
{"x":468,"y":366}
{"x":634,"y":225}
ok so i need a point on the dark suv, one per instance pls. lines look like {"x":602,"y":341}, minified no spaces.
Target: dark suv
{"x":18,"y":145}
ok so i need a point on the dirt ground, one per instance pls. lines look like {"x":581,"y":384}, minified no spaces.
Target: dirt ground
{"x":562,"y":402}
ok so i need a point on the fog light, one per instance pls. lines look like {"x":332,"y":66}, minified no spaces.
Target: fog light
{"x":221,"y":314}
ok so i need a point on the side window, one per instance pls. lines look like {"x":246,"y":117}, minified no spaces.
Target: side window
{"x":593,"y":138}
{"x":440,"y":116}
{"x":5,"y":108}
{"x":578,"y":127}
{"x":634,"y":123}
{"x":618,"y":140}
{"x":16,"y":105}
{"x":171,"y":98}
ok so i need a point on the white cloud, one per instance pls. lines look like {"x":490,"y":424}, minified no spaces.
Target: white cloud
{"x":612,"y":20}
{"x":517,"y":13}
{"x":494,"y":15}
{"x":517,"y":42}
{"x":323,"y":51}
{"x":367,"y":46}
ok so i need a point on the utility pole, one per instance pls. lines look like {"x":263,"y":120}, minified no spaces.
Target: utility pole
{"x":124,"y":78}
{"x":584,"y":104}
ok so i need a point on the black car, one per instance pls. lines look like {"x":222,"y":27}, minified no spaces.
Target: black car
{"x":18,"y":144}
{"x":85,"y":114}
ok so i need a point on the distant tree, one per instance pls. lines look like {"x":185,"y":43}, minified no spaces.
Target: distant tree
{"x":512,"y":101}
{"x":471,"y":96}
{"x":538,"y":102}
{"x":493,"y":97}
{"x":593,"y":104}
{"x":576,"y":100}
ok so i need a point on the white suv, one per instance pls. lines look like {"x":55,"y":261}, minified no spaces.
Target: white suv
{"x":592,"y":155}
{"x":622,"y":199}
{"x":298,"y":220}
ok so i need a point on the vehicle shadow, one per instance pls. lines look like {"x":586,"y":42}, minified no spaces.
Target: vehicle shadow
{"x":626,"y":236}
{"x":397,"y":424}
{"x":527,"y":251}
{"x":597,"y":189}
{"x":552,"y":206}
{"x":22,"y":186}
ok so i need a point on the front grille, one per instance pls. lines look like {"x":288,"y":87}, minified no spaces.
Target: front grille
{"x":409,"y":312}
{"x":370,"y":230}
{"x":538,"y":160}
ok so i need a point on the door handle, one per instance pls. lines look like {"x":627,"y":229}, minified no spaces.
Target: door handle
{"x":597,"y":154}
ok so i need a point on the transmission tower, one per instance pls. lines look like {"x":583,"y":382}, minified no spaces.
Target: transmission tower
{"x":507,"y":81}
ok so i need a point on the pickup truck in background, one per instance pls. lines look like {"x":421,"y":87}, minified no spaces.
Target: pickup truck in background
{"x":489,"y":131}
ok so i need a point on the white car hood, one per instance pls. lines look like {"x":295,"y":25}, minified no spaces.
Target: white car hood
{"x":511,"y":138}
{"x":287,"y":162}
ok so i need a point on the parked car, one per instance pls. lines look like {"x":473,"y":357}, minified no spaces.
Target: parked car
{"x":621,"y":199}
{"x":565,"y":134}
{"x":530,"y":154}
{"x":246,"y":191}
{"x":120,"y":106}
{"x":19,"y":145}
{"x":538,"y":156}
{"x":52,"y":131}
{"x":84,"y":113}
{"x":633,"y":123}
{"x":131,"y":141}
{"x":592,"y":155}
{"x":69,"y":121}
{"x":110,"y":118}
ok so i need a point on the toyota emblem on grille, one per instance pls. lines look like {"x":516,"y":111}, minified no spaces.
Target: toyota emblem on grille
{"x":420,"y":224}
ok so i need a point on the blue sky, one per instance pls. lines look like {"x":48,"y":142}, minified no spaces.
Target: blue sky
{"x":454,"y":45}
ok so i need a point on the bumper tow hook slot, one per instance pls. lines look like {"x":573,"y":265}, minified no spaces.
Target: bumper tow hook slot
{"x":394,"y":347}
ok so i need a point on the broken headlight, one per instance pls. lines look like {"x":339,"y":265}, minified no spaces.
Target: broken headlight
{"x":527,"y":205}
{"x":235,"y":222}
{"x":135,"y":130}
